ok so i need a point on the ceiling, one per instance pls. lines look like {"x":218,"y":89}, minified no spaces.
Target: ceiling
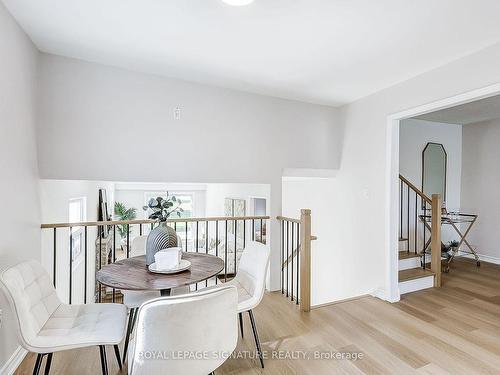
{"x":321,"y":51}
{"x":480,"y":110}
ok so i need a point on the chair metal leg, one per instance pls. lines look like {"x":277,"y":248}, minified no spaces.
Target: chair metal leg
{"x":256,"y":336}
{"x":104,"y":361}
{"x":117,"y":355}
{"x":38,"y":364}
{"x":47,"y":364}
{"x":240,"y":316}
{"x":130,"y":327}
{"x":136,"y":312}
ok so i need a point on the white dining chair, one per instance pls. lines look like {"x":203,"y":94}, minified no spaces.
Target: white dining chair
{"x":191,"y":334}
{"x":134,"y":299}
{"x":250,"y":281}
{"x":45,"y":325}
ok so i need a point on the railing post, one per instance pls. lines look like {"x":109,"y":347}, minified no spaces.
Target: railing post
{"x":436,"y":239}
{"x":305,"y":260}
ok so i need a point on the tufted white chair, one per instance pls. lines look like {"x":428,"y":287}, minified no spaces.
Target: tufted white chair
{"x":200,"y":323}
{"x":134,"y":299}
{"x":250,"y":281}
{"x":45,"y":325}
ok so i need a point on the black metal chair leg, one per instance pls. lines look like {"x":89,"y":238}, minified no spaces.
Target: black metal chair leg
{"x":240,"y":316}
{"x":130,"y":327}
{"x":117,"y":354}
{"x":136,"y":312}
{"x":256,"y":336}
{"x":48,"y":363}
{"x":38,"y":364}
{"x":104,"y":361}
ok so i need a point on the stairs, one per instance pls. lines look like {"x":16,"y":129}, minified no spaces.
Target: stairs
{"x":413,"y":279}
{"x":412,"y":276}
{"x":419,"y":229}
{"x":408,"y":260}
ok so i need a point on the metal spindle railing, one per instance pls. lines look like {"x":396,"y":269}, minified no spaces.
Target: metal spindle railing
{"x":425,"y":236}
{"x":295,"y":258}
{"x":108,"y":253}
{"x":414,"y":207}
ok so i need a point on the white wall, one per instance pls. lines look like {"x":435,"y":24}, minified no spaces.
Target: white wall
{"x":20,"y":222}
{"x":480,"y":182}
{"x":331,"y":265}
{"x":128,"y":121}
{"x":54,"y":198}
{"x":128,"y":118}
{"x":216,"y":194}
{"x":363,"y":175}
{"x":413,"y":137}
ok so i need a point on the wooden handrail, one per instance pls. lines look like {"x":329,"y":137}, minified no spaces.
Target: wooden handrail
{"x":415,"y":189}
{"x":303,"y":255}
{"x":149,"y":221}
{"x":284,"y":218}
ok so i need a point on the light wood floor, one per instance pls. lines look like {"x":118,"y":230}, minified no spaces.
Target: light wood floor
{"x":451,"y":330}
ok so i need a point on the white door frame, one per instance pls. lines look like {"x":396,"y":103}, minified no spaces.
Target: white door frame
{"x":392,"y":174}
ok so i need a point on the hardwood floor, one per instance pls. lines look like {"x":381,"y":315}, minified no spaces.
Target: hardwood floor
{"x":451,"y":330}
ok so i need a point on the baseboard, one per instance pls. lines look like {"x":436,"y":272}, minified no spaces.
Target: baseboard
{"x":14,"y":361}
{"x":483,"y":258}
{"x":314,"y":307}
{"x":385,"y":296}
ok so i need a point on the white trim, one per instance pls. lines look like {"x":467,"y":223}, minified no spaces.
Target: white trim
{"x":482,"y":258}
{"x":290,"y":174}
{"x":416,"y":284}
{"x":14,"y":361}
{"x":382,"y":294}
{"x":409,"y":263}
{"x":392,"y":172}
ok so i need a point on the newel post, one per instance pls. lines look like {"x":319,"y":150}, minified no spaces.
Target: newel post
{"x":436,"y":239}
{"x":305,"y":260}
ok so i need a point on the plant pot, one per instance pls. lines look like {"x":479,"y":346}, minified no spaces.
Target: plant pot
{"x":161,"y":237}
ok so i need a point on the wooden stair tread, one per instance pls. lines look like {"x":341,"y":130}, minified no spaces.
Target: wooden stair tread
{"x":414,"y":273}
{"x":407,"y":255}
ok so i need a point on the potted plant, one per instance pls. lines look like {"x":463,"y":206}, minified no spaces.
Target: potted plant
{"x":123,"y":213}
{"x":162,"y":236}
{"x":453,"y":245}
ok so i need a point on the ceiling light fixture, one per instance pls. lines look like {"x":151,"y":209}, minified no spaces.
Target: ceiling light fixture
{"x":238,"y":3}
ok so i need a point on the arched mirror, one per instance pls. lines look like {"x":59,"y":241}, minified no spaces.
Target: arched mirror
{"x":434,"y":170}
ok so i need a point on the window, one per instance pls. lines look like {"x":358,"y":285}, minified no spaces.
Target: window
{"x":77,"y":213}
{"x":187,"y":199}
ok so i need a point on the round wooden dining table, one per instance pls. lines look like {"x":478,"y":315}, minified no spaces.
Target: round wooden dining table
{"x":133,"y":274}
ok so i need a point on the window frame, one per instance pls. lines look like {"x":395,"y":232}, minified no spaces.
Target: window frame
{"x":76,"y":233}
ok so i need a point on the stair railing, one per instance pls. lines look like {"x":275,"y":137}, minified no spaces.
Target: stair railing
{"x":420,"y":225}
{"x":295,"y":258}
{"x":98,"y":245}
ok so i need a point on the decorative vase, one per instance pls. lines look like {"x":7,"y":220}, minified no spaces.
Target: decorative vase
{"x":161,"y":237}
